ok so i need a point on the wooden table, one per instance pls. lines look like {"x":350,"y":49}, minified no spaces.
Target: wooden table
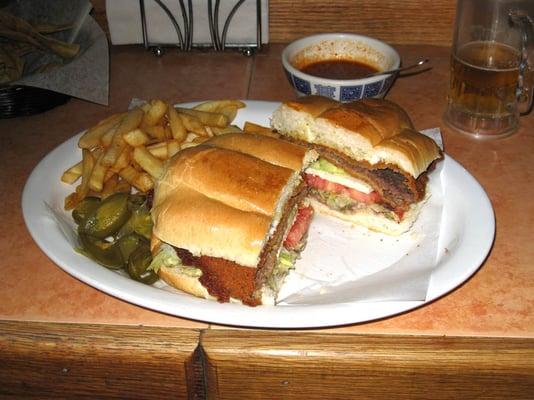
{"x":62,"y":338}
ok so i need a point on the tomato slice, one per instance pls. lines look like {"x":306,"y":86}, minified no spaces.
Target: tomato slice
{"x":299,"y":228}
{"x":322,"y":184}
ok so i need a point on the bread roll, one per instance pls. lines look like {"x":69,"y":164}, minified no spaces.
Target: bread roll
{"x":376,"y":131}
{"x":232,"y":178}
{"x":272,"y":150}
{"x":224,"y":203}
{"x":190,"y":220}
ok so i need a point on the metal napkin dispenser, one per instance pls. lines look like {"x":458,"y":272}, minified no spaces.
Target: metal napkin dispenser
{"x":187,"y":24}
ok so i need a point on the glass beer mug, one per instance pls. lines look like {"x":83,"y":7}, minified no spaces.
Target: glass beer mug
{"x":492,"y":67}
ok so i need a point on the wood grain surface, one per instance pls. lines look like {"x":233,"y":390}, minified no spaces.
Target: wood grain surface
{"x":289,"y":365}
{"x":395,"y":21}
{"x":55,"y":361}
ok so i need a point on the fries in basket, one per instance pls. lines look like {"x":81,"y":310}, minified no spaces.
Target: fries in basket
{"x":128,"y":150}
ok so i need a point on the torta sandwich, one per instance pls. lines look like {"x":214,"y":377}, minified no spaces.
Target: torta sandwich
{"x":230,"y":217}
{"x":373,"y":166}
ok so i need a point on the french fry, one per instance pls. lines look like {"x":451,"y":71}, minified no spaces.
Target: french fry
{"x":71,"y":201}
{"x":192,"y":124}
{"x":187,"y":145}
{"x":91,"y":137}
{"x":114,"y":150}
{"x":177,"y":126}
{"x":168,"y":132}
{"x":127,"y":151}
{"x":123,"y":186}
{"x":137,"y":137}
{"x":96,"y":181}
{"x":144,"y":182}
{"x":155,"y":113}
{"x":200,"y":139}
{"x":251,"y":127}
{"x":109,"y":174}
{"x":72,"y":174}
{"x":122,"y":161}
{"x":159,"y":150}
{"x":190,"y":137}
{"x":173,"y":147}
{"x":130,"y":121}
{"x":88,"y":163}
{"x":156,"y":131}
{"x":206,"y":117}
{"x":209,"y":131}
{"x":165,"y":150}
{"x":223,"y":131}
{"x":96,"y":152}
{"x":135,"y":164}
{"x":230,"y":111}
{"x":226,"y":107}
{"x":107,"y":138}
{"x":110,"y":186}
{"x":129,"y":174}
{"x":148,"y":162}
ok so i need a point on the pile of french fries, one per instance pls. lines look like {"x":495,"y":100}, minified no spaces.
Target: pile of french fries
{"x":127,"y":151}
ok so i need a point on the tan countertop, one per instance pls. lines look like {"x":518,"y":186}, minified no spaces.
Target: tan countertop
{"x":497,"y":301}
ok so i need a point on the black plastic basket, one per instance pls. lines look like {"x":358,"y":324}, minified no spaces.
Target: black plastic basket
{"x":18,"y":101}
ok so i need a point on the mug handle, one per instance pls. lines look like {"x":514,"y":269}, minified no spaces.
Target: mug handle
{"x":525,"y":84}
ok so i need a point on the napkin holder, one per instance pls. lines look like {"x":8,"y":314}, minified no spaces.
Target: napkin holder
{"x":187,"y":24}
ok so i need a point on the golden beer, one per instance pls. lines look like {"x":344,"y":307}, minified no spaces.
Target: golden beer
{"x":482,"y":94}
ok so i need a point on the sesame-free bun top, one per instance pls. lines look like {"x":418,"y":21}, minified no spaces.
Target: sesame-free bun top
{"x":370,"y":130}
{"x":232,"y":178}
{"x":190,"y":220}
{"x":220,"y":203}
{"x":266,"y":148}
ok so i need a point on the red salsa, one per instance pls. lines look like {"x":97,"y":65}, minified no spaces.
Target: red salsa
{"x":339,"y":69}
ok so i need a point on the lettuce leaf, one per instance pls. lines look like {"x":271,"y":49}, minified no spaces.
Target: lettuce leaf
{"x":168,"y":258}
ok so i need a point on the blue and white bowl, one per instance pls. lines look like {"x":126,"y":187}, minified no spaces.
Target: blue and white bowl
{"x":346,"y":46}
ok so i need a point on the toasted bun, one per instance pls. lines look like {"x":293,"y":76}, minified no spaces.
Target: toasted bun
{"x":177,"y":279}
{"x":183,"y":282}
{"x":371,"y":130}
{"x":221,"y":203}
{"x":371,"y":220}
{"x":275,"y":151}
{"x":190,"y":220}
{"x":230,"y":177}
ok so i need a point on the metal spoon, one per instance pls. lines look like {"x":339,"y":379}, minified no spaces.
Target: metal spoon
{"x":392,"y":71}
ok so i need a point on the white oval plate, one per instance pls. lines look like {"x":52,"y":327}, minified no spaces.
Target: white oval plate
{"x":468,"y":215}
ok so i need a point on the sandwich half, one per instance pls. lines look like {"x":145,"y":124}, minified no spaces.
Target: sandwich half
{"x":373,"y":165}
{"x":228,"y":223}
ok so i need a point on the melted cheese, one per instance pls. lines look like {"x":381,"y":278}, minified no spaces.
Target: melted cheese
{"x":348,"y":181}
